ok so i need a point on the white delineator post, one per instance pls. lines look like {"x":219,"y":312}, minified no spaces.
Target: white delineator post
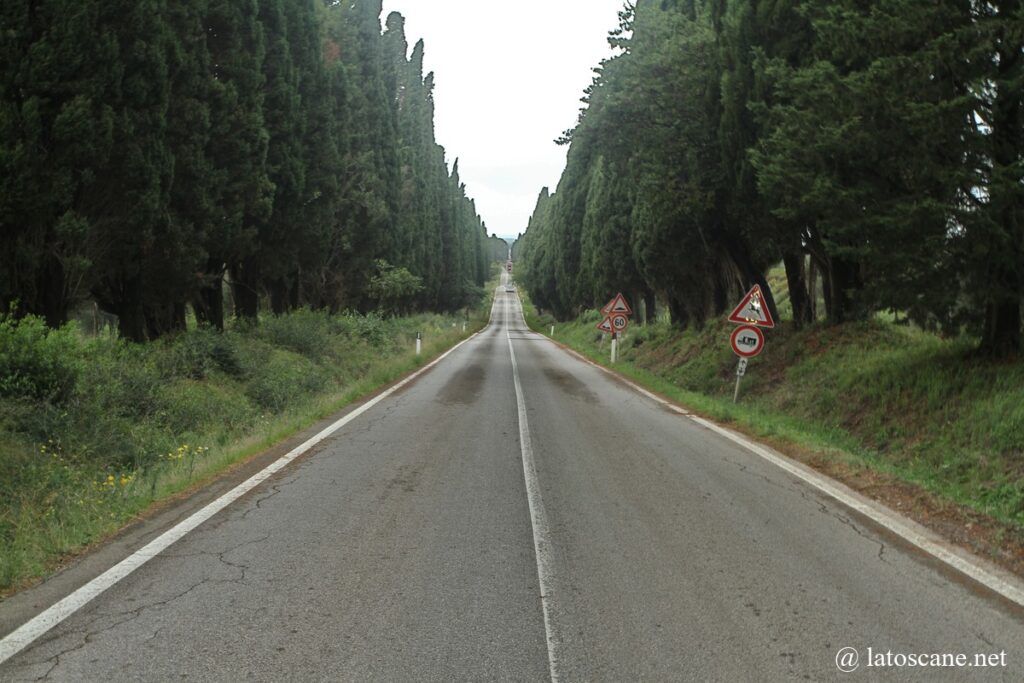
{"x":419,"y":343}
{"x":552,"y":330}
{"x":615,"y":345}
{"x":741,"y":370}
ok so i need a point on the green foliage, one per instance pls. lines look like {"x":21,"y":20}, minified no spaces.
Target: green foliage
{"x":305,"y":331}
{"x":150,"y":149}
{"x":393,"y":288}
{"x":136,"y":421}
{"x":198,"y":353}
{"x":872,"y":148}
{"x":282,"y":378}
{"x":37,"y":363}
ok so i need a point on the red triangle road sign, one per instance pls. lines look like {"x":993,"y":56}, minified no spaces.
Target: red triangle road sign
{"x":617,"y":305}
{"x":606,"y":325}
{"x":752,"y":310}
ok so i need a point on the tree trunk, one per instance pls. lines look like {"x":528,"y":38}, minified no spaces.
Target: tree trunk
{"x":243,"y":289}
{"x":164,"y":319}
{"x":638,"y":311}
{"x":1002,"y":333}
{"x":131,"y":319}
{"x":209,"y":302}
{"x":798,"y":295}
{"x":680,"y":316}
{"x":751,"y":275}
{"x":812,"y":288}
{"x":843,"y":279}
{"x":278,"y":291}
{"x":650,"y":313}
{"x":53,"y":302}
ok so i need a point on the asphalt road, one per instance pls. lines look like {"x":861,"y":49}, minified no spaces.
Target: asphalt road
{"x":634,"y":545}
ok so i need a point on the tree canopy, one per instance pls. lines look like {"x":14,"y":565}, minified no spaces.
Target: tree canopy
{"x":153,"y":151}
{"x":878,"y":147}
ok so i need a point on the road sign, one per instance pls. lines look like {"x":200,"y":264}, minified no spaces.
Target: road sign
{"x":617,"y":305}
{"x":741,"y":369}
{"x":752,"y":310}
{"x":619,"y":322}
{"x":606,"y":325}
{"x":747,"y":341}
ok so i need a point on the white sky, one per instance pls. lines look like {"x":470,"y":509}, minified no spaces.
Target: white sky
{"x":508,"y":80}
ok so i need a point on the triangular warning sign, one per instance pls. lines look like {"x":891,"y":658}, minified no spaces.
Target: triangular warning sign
{"x":606,"y":325}
{"x":752,"y":310}
{"x":617,"y":305}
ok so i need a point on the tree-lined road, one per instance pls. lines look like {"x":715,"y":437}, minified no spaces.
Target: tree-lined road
{"x":406,"y":547}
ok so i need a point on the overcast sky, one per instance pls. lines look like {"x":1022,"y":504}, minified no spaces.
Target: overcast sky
{"x":508,"y":79}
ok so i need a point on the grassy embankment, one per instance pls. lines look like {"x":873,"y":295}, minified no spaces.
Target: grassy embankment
{"x":94,"y":431}
{"x":874,"y":397}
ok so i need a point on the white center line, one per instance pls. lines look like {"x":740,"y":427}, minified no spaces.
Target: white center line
{"x":538,"y":518}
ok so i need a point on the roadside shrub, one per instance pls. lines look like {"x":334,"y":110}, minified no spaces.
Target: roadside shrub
{"x":372,"y":329}
{"x":197,"y":353}
{"x":285,"y":378}
{"x":190,"y":406}
{"x":304,"y":331}
{"x":120,"y":378}
{"x":37,"y":362}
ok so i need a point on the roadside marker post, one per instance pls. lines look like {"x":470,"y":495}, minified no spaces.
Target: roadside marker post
{"x":741,"y":370}
{"x":615,"y":345}
{"x":419,"y":343}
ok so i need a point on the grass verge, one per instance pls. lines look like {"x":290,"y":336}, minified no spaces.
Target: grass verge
{"x":94,"y":431}
{"x":895,"y":412}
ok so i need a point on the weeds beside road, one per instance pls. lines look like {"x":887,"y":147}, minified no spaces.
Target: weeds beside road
{"x":93,"y":430}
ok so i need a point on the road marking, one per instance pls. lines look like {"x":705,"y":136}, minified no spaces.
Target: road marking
{"x":538,"y":517}
{"x":992,"y":577}
{"x":989,"y":575}
{"x":28,"y":632}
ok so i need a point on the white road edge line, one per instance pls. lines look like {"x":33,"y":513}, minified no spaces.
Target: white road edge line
{"x":538,"y":517}
{"x":989,"y":575}
{"x":993,"y":578}
{"x":28,"y":632}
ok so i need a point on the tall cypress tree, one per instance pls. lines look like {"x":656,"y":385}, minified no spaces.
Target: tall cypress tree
{"x":57,"y":120}
{"x":237,"y":147}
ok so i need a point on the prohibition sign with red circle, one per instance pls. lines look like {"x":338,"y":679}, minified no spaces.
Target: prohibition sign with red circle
{"x":747,"y":341}
{"x":619,"y":322}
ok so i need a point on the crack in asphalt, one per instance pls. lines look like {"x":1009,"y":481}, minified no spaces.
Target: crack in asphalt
{"x":824,"y":509}
{"x":274,"y":490}
{"x":136,"y":612}
{"x":89,"y":634}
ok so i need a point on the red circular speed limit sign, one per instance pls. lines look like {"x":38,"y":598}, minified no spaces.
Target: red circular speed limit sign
{"x":619,"y":322}
{"x":747,"y":341}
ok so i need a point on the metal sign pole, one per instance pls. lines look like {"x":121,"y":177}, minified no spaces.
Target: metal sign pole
{"x":741,"y":370}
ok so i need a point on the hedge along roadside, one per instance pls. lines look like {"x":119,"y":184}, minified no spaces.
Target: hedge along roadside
{"x":93,"y":431}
